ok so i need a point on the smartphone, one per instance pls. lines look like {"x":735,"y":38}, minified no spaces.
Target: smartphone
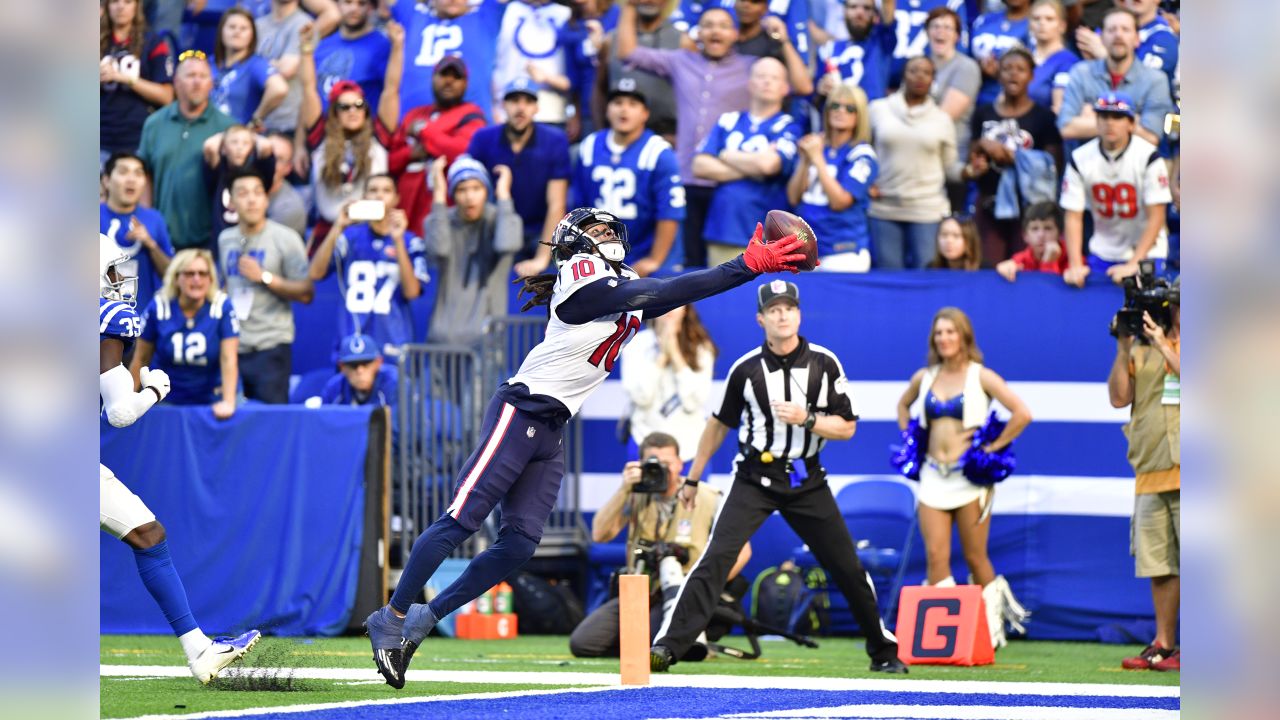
{"x":367,"y":210}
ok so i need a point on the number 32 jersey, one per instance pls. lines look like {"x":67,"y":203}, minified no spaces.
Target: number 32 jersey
{"x":1118,"y":191}
{"x":573,"y":360}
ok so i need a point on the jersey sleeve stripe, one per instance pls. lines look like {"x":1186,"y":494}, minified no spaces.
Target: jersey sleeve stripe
{"x":108,"y":314}
{"x":587,"y":151}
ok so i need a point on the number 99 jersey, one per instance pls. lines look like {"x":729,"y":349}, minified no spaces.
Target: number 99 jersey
{"x":1117,"y":192}
{"x":573,"y":360}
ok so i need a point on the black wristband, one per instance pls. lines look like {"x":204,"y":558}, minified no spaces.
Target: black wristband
{"x":810,"y":421}
{"x":691,"y":482}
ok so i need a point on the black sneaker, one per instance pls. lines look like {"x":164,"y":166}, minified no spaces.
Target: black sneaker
{"x":660,"y":658}
{"x":892,"y":666}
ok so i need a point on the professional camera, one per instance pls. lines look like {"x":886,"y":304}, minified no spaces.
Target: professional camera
{"x":649,"y":554}
{"x":653,"y":477}
{"x":1144,"y":292}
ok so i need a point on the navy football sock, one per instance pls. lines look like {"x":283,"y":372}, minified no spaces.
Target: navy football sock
{"x":431,"y":548}
{"x":487,"y":569}
{"x":155,"y":567}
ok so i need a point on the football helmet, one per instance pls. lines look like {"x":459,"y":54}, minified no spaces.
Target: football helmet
{"x":571,"y":236}
{"x":113,"y":281}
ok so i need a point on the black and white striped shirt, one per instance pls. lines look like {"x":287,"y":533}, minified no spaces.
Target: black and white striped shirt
{"x":811,"y":376}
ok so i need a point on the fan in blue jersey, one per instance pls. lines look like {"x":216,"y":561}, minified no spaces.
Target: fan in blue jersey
{"x":865,"y":58}
{"x":245,"y":85}
{"x":751,"y":155}
{"x":1157,"y":40}
{"x":357,"y":52}
{"x":192,"y":332}
{"x":910,"y":18}
{"x":363,"y":378}
{"x":595,"y":304}
{"x":381,"y":269}
{"x":140,"y":231}
{"x":632,"y":173}
{"x":123,"y":513}
{"x":831,"y":185}
{"x":448,"y":27}
{"x":1048,"y":28}
{"x":993,"y":33}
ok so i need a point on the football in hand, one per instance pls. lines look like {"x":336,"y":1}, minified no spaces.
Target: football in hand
{"x":780,"y":223}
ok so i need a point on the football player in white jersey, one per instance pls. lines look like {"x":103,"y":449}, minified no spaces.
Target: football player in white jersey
{"x":1121,"y":179}
{"x":595,"y":305}
{"x":122,"y":513}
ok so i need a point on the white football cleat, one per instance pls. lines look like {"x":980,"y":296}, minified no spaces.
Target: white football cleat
{"x":222,"y":653}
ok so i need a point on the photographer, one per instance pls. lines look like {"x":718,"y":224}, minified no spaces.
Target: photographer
{"x":658,"y":527}
{"x":1146,"y":377}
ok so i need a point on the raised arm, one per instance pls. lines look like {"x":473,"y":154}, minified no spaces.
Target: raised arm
{"x":389,"y":101}
{"x":309,"y":110}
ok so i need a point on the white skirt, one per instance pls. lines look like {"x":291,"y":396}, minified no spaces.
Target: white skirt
{"x":944,"y":487}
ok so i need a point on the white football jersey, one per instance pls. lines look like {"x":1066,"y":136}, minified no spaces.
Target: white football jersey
{"x":1117,"y":191}
{"x":572,"y":360}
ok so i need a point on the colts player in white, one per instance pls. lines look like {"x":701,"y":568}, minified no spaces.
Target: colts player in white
{"x":122,"y":513}
{"x":595,"y":305}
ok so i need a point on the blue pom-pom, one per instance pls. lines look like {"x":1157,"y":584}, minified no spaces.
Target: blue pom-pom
{"x":984,"y":468}
{"x":908,"y":456}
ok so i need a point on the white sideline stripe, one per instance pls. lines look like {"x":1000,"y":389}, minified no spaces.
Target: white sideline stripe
{"x":1085,"y":402}
{"x":608,"y":679}
{"x":963,"y":712}
{"x":1019,"y":495}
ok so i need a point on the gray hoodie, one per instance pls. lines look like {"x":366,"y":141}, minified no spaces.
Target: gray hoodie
{"x":472,"y":262}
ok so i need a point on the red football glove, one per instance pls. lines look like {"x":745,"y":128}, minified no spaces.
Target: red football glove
{"x":774,"y":257}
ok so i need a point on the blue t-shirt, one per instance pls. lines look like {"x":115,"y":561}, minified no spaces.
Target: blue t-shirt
{"x":737,"y":205}
{"x":864,"y":62}
{"x":189,"y":349}
{"x":369,"y":279}
{"x":116,"y":226}
{"x":544,"y":158}
{"x":384,"y":393}
{"x":237,"y":90}
{"x":429,"y":37}
{"x":993,"y":34}
{"x":1050,"y":74}
{"x":1158,"y":47}
{"x":362,"y":60}
{"x":909,"y":17}
{"x":855,"y":167}
{"x":639,"y":183}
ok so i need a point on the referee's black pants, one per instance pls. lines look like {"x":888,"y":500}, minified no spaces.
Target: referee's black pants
{"x":816,"y":518}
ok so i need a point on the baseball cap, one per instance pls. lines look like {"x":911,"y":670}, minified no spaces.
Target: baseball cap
{"x":357,"y":348}
{"x":343,"y":86}
{"x":452,"y":62}
{"x":1115,"y":103}
{"x":522,"y":86}
{"x":777,"y":290}
{"x":627,"y":86}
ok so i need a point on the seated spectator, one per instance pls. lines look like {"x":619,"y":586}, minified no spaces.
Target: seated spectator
{"x":865,"y":57}
{"x":278,"y":30}
{"x":832,"y":180}
{"x":135,"y":75}
{"x":654,"y":30}
{"x":266,"y":268}
{"x":171,"y":146}
{"x":1053,"y":60}
{"x":750,"y":155}
{"x":763,"y":35}
{"x":957,"y":81}
{"x":286,"y":205}
{"x":357,"y":53}
{"x":472,"y":245}
{"x":1012,"y":125}
{"x":347,"y":144}
{"x":227,"y":154}
{"x":381,"y":269}
{"x":526,"y":46}
{"x":957,"y":247}
{"x":915,"y":141}
{"x":1121,"y":180}
{"x":139,"y":230}
{"x":632,"y":173}
{"x":1044,"y":251}
{"x":440,"y":130}
{"x":708,"y":82}
{"x":362,"y":377}
{"x":194,"y":326}
{"x":539,"y":154}
{"x":995,"y":33}
{"x":246,"y":85}
{"x":1121,"y":72}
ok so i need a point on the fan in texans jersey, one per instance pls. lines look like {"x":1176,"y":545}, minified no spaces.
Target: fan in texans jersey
{"x":122,"y":513}
{"x":595,"y":304}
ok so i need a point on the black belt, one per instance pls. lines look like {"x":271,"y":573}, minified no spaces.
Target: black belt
{"x":779,"y":468}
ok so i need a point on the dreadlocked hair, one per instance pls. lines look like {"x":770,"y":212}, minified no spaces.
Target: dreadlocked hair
{"x":539,"y":286}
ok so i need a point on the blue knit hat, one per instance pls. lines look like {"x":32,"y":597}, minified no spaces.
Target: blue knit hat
{"x":468,"y":168}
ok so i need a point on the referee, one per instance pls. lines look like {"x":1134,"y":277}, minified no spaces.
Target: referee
{"x":787,"y":398}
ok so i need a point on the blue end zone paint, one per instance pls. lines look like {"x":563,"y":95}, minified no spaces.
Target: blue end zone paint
{"x":705,"y":703}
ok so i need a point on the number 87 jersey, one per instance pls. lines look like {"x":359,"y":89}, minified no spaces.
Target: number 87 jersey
{"x":573,"y":360}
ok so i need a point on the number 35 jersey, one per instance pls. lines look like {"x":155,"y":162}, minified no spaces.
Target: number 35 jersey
{"x":1117,"y":192}
{"x":573,"y":360}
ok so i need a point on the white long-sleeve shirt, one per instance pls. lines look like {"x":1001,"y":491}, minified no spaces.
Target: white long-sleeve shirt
{"x":666,"y":400}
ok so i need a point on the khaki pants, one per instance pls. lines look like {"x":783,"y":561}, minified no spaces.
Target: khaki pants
{"x":1154,"y":534}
